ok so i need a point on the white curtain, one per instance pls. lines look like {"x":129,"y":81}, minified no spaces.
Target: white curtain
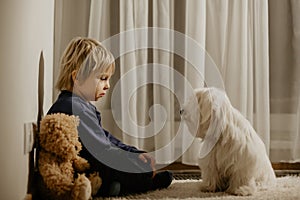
{"x":284,"y":79}
{"x":252,"y":47}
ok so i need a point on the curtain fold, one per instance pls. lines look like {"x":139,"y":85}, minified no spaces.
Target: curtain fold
{"x":237,"y":39}
{"x":194,"y":28}
{"x":163,"y":17}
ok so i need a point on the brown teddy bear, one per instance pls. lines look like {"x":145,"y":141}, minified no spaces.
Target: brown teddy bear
{"x":59,"y":164}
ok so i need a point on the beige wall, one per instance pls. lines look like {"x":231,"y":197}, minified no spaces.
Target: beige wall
{"x":26,"y":29}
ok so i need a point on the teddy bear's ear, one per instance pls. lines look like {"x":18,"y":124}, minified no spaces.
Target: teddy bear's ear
{"x":59,"y":135}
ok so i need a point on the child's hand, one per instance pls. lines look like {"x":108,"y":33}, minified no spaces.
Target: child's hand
{"x":146,"y":158}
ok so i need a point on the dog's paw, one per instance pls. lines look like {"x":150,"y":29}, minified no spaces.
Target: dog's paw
{"x":205,"y":188}
{"x":245,"y":190}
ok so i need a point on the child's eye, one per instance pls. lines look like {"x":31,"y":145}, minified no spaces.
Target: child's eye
{"x":103,"y":78}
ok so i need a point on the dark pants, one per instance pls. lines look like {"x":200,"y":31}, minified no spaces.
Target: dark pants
{"x":138,"y":180}
{"x":130,"y":182}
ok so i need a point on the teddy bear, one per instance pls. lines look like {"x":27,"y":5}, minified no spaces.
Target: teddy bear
{"x":60,"y":167}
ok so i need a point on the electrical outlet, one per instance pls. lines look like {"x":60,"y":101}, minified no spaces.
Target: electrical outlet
{"x":28,"y":137}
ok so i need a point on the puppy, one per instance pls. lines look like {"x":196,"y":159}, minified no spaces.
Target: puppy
{"x":232,"y":158}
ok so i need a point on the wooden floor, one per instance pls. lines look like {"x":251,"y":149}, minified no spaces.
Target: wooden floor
{"x":281,"y":169}
{"x":276,"y":166}
{"x":182,"y":171}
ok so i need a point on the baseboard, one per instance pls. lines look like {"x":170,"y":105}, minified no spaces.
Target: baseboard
{"x":286,"y":166}
{"x":178,"y":166}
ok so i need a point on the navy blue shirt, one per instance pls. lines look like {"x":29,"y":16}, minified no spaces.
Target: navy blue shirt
{"x":100,"y":147}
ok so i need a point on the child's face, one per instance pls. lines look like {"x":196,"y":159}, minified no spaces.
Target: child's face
{"x":102,"y":85}
{"x":94,"y":87}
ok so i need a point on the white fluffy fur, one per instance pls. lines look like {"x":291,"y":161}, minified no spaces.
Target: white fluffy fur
{"x":238,"y":161}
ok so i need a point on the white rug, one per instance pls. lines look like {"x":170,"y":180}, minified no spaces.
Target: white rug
{"x":287,"y":188}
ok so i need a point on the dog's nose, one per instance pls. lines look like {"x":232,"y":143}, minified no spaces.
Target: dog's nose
{"x":181,"y":111}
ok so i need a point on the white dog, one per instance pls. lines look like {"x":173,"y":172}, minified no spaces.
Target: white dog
{"x":233,"y":158}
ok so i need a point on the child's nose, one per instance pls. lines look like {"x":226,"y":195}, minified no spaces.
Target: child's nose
{"x":107,"y":86}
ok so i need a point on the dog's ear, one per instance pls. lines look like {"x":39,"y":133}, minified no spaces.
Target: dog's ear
{"x":218,"y":113}
{"x":205,"y":108}
{"x":215,"y":123}
{"x":205,"y":104}
{"x":190,"y":114}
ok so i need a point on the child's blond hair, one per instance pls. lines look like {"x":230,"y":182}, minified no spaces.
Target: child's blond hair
{"x":85,"y":55}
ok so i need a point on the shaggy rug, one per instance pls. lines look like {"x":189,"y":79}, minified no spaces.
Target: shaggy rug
{"x":287,"y":188}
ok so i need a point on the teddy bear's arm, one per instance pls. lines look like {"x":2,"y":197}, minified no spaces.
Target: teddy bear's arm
{"x":58,"y":178}
{"x":80,"y":164}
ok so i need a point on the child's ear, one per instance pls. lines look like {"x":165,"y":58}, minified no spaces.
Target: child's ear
{"x":74,"y":75}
